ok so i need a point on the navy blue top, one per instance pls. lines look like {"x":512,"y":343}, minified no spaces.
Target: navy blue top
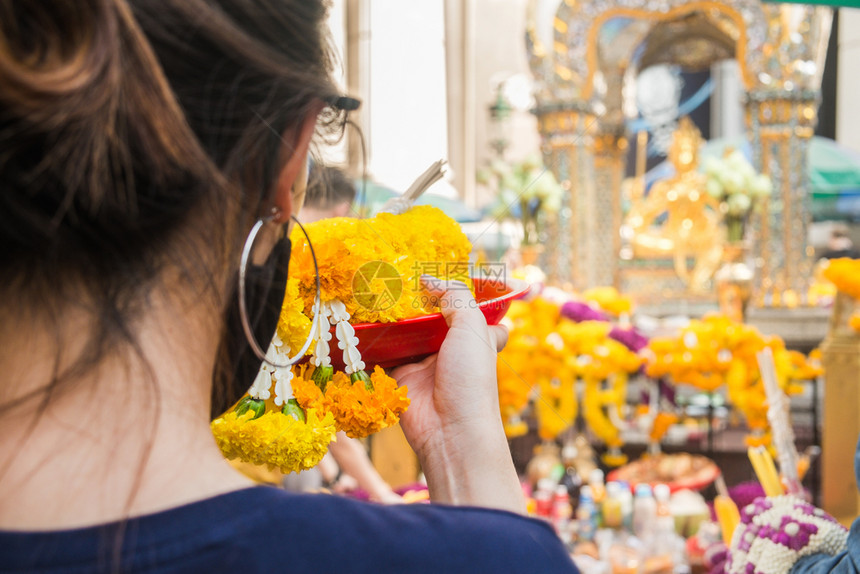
{"x":265,"y":529}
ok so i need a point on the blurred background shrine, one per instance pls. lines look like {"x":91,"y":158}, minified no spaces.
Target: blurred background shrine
{"x":683,"y":170}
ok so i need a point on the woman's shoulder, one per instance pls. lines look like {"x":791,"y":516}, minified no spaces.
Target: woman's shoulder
{"x":421,"y":537}
{"x":267,"y":529}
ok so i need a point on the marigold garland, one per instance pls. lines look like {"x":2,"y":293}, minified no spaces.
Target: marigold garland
{"x":275,"y":439}
{"x":358,"y":409}
{"x":546,"y":354}
{"x":534,"y":366}
{"x":854,"y":322}
{"x":293,"y":325}
{"x":662,"y":423}
{"x":845,"y":274}
{"x":421,"y":241}
{"x":514,"y":391}
{"x":555,"y":406}
{"x":291,"y":429}
{"x":717,"y":351}
{"x":609,"y":300}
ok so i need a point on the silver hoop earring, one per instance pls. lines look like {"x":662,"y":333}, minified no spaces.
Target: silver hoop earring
{"x":243,"y":309}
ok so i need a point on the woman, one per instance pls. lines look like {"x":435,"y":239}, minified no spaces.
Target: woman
{"x":139,"y":143}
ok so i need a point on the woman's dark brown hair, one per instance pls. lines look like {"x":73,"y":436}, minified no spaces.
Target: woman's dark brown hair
{"x":140,"y":134}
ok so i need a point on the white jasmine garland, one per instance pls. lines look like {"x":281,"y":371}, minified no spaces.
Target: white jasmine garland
{"x":261,"y":385}
{"x":320,"y":327}
{"x":347,"y":340}
{"x":282,"y":375}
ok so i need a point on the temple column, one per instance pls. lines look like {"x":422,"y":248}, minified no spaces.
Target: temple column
{"x":573,"y":255}
{"x":781,"y":129}
{"x":610,"y":158}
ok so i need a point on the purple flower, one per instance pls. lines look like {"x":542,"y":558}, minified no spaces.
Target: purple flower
{"x":716,"y":554}
{"x":746,"y":492}
{"x":795,"y":534}
{"x":745,"y":542}
{"x":666,"y":391}
{"x":630,"y":338}
{"x":578,"y":311}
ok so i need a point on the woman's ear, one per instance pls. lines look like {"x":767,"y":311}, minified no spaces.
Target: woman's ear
{"x":289,"y":193}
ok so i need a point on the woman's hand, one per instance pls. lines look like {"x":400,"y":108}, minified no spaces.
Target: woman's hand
{"x":453,"y":422}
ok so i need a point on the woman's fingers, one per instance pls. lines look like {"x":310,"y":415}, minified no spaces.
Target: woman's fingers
{"x":500,"y":335}
{"x":455,"y":301}
{"x":461,"y":311}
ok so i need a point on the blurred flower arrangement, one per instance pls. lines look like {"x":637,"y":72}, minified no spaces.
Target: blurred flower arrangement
{"x":844,"y":273}
{"x":525,"y":190}
{"x":734,"y":182}
{"x":604,"y":365}
{"x":529,"y":363}
{"x":567,"y":356}
{"x":609,"y":300}
{"x":547,"y":353}
{"x":717,"y":351}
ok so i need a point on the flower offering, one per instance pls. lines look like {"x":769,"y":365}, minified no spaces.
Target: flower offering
{"x":717,"y":351}
{"x":369,"y":272}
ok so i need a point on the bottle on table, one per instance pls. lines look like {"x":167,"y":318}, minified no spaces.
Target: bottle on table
{"x":562,"y":512}
{"x":571,"y":477}
{"x":598,"y":488}
{"x":667,"y":547}
{"x":626,"y":496}
{"x":664,"y":522}
{"x":611,"y":507}
{"x":543,"y":498}
{"x":644,"y":511}
{"x":586,"y":514}
{"x":598,"y":494}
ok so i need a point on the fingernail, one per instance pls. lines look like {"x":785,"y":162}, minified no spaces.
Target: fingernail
{"x":430,"y":280}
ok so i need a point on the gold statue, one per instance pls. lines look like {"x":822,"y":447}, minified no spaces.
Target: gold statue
{"x":691,"y":228}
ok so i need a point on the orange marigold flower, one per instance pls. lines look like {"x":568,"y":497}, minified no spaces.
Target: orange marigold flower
{"x":308,"y":395}
{"x":845,"y":274}
{"x":358,"y":409}
{"x":854,"y":321}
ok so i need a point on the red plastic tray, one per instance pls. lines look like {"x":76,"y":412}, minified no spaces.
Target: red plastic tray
{"x":410,"y":340}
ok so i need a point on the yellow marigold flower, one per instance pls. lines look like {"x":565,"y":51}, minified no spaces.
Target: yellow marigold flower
{"x":854,"y":322}
{"x":555,"y":406}
{"x":421,"y":241}
{"x":595,"y":415}
{"x":759,"y":439}
{"x":293,"y":325}
{"x":609,"y":300}
{"x":359,"y":411}
{"x":513,"y":429}
{"x":547,"y":353}
{"x":845,"y":274}
{"x":537,"y":317}
{"x":274,"y":439}
{"x":662,"y":422}
{"x":716,"y":351}
{"x":614,"y":458}
{"x":514,"y":391}
{"x":801,"y":367}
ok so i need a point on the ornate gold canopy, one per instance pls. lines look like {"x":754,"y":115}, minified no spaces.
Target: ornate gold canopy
{"x":586,"y":56}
